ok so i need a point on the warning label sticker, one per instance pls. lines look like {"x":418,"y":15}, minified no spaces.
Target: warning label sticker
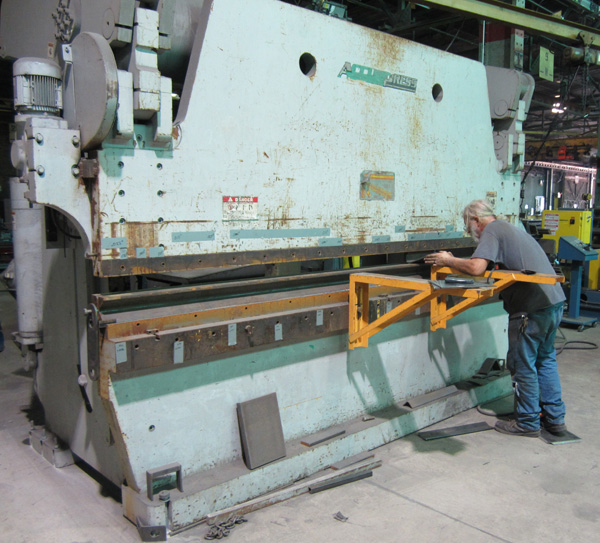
{"x":240,"y":208}
{"x":551,"y":221}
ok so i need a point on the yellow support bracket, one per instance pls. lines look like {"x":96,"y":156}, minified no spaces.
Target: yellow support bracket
{"x":360,"y":329}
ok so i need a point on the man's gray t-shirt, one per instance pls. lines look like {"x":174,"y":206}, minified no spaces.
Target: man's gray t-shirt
{"x":513,"y":249}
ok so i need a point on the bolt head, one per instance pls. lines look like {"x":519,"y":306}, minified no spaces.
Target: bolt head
{"x":41,"y":170}
{"x":164,"y":496}
{"x":39,"y":138}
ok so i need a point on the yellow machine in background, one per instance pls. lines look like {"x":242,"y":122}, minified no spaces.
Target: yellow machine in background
{"x":567,"y":222}
{"x":572,"y":222}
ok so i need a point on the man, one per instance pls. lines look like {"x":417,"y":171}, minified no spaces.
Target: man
{"x":534,"y":310}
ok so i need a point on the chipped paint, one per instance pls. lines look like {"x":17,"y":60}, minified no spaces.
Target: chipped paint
{"x":301,"y":152}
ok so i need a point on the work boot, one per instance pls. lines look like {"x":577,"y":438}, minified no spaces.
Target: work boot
{"x":512,"y":428}
{"x":556,"y":429}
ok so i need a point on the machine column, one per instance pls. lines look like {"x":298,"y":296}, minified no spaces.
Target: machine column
{"x":28,"y":248}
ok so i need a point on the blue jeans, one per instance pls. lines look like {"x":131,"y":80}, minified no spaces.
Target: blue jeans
{"x":531,"y":361}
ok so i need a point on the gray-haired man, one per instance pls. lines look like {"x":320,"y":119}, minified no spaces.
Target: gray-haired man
{"x":534,"y":310}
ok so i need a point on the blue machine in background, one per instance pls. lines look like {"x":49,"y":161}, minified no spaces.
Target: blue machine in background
{"x":576,"y":252}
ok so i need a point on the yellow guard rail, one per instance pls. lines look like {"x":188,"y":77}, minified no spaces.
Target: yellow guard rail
{"x":360,"y":329}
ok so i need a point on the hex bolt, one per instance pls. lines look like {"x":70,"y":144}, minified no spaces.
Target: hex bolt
{"x":75,"y":171}
{"x":41,"y":171}
{"x":75,"y":140}
{"x":39,"y":138}
{"x":160,"y":193}
{"x":164,"y":496}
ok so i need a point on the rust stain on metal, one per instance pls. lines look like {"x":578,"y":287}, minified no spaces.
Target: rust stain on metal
{"x":415,"y":127}
{"x":375,"y":90}
{"x":115,"y":232}
{"x":425,"y":229}
{"x":387,"y":48}
{"x":141,"y":270}
{"x":281,"y":222}
{"x":141,"y":234}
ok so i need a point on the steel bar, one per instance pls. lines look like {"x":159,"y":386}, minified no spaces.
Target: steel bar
{"x":455,"y":431}
{"x":565,"y":437}
{"x":320,"y":437}
{"x":108,"y":303}
{"x":522,"y":276}
{"x":424,"y":399}
{"x":339,"y":482}
{"x":145,"y":266}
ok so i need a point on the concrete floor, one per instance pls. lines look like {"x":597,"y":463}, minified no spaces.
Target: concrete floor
{"x":478,"y":488}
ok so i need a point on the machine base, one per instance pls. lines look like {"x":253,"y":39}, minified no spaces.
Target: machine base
{"x":232,"y":484}
{"x":50,"y":447}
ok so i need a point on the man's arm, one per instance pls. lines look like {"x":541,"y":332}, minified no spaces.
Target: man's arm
{"x":470,"y":266}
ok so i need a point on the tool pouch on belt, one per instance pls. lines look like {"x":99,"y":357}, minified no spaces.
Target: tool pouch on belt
{"x":517,"y":324}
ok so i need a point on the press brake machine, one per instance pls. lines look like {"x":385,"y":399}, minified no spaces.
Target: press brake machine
{"x":222,"y":139}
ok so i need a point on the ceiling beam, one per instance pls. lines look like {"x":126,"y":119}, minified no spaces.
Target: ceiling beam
{"x":530,"y":21}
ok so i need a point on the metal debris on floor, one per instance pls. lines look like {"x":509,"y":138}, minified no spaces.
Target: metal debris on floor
{"x":563,"y":438}
{"x":340,"y":516}
{"x":223,"y":529}
{"x":455,"y":431}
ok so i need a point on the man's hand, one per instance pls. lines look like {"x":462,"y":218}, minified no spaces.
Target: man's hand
{"x":443,"y":258}
{"x":470,"y":266}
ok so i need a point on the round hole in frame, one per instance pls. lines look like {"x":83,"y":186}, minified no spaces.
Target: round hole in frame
{"x":308,"y":64}
{"x":437,"y":92}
